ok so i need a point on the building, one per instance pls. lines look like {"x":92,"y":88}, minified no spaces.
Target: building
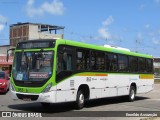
{"x":30,"y":31}
{"x":4,"y":65}
{"x":156,"y":64}
{"x":3,"y":49}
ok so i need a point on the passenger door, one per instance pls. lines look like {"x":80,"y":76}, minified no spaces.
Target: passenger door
{"x":65,"y":69}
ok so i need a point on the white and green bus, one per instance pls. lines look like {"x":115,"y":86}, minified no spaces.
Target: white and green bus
{"x":55,"y":71}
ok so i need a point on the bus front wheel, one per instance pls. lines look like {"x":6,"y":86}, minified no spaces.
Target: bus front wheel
{"x":80,"y":100}
{"x":132,"y":94}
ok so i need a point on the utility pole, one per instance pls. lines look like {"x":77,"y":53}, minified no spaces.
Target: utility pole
{"x":136,"y":49}
{"x":106,"y":40}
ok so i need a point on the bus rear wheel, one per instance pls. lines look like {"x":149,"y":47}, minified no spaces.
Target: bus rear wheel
{"x":132,"y":94}
{"x":80,"y":100}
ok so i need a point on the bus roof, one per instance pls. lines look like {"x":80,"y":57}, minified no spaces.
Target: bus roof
{"x":102,"y":48}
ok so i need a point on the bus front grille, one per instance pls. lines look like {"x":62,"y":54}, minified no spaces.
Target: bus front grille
{"x":27,"y":97}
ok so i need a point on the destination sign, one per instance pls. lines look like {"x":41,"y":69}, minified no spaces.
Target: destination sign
{"x":36,"y":44}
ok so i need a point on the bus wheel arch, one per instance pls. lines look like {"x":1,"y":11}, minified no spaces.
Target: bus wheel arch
{"x":83,"y":94}
{"x":132,"y":92}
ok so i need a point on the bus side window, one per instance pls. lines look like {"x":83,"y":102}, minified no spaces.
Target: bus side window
{"x":141,"y":65}
{"x":149,"y":64}
{"x":112,"y":62}
{"x":133,"y":64}
{"x":107,"y":63}
{"x":82,"y":59}
{"x":80,"y":64}
{"x":100,"y":65}
{"x":123,"y":63}
{"x":93,"y":60}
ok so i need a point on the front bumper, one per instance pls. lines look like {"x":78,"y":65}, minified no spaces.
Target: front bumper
{"x":3,"y":88}
{"x":48,"y":97}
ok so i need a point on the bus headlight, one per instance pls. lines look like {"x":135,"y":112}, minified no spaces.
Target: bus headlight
{"x":11,"y":87}
{"x":47,"y":88}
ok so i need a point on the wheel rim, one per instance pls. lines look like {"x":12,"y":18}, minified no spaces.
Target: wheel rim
{"x":81,"y":99}
{"x":132,"y":94}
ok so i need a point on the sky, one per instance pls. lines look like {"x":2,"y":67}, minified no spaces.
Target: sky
{"x":132,"y":24}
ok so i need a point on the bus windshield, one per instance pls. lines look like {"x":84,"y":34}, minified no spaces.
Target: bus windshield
{"x":33,"y":66}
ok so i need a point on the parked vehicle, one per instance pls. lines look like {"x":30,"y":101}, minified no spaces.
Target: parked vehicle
{"x":4,"y":82}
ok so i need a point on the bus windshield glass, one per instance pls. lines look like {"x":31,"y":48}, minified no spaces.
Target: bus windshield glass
{"x":33,"y":66}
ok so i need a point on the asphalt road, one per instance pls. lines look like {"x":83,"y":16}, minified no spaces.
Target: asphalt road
{"x":94,"y":108}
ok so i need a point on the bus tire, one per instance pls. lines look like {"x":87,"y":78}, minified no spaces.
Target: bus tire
{"x":80,"y":100}
{"x":132,"y":94}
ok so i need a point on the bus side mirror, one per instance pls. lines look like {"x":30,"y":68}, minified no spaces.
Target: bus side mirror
{"x":7,"y":55}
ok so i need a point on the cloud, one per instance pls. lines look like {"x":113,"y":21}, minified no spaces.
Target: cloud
{"x":3,"y":19}
{"x":139,"y":36}
{"x":108,"y":21}
{"x":147,"y":26}
{"x":30,"y":2}
{"x":3,"y":22}
{"x":104,"y":30}
{"x":157,"y":1}
{"x":155,"y":37}
{"x":156,"y":41}
{"x":1,"y":27}
{"x":31,"y":10}
{"x":142,"y":6}
{"x":55,"y":7}
{"x":104,"y":33}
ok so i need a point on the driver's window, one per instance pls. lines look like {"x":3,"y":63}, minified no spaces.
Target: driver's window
{"x":60,"y":62}
{"x":64,"y":62}
{"x":69,"y":62}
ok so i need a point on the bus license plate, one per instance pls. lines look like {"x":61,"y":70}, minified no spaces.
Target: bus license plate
{"x":27,"y":99}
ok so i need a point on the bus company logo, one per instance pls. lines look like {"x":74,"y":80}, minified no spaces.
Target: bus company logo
{"x":88,"y":79}
{"x":6,"y":114}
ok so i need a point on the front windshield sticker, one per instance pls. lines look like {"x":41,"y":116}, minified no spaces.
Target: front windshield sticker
{"x":38,"y":75}
{"x":19,"y":76}
{"x":28,"y":54}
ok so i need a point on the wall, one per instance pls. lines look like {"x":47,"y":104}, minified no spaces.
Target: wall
{"x":18,"y":33}
{"x":35,"y":34}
